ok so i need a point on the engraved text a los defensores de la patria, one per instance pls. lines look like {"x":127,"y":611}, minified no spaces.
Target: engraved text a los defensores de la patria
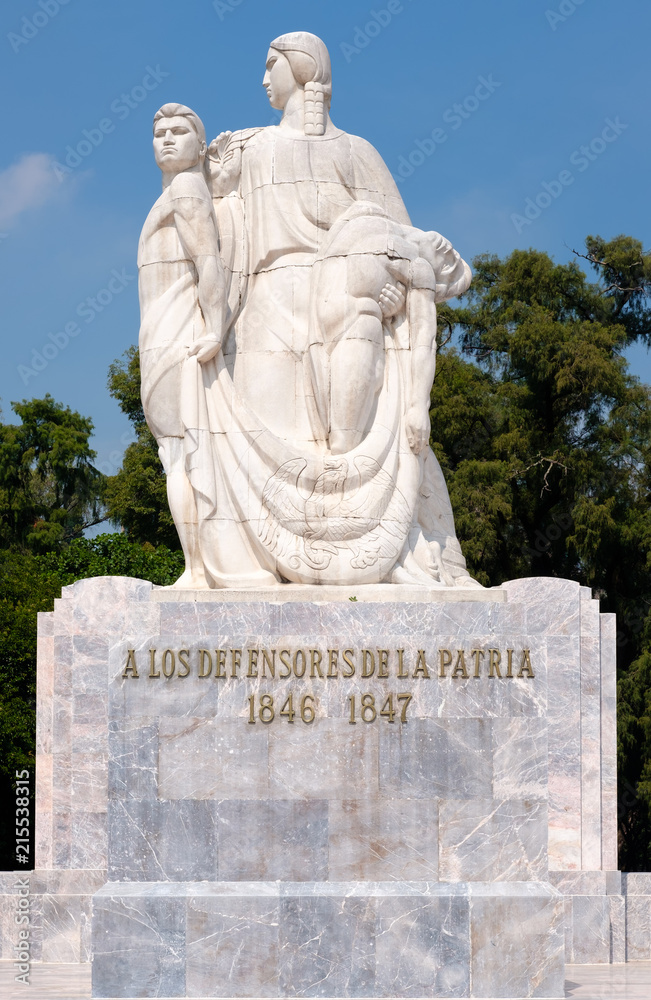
{"x":314,"y":664}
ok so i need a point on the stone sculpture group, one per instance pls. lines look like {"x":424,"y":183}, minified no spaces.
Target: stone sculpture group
{"x":288,"y":349}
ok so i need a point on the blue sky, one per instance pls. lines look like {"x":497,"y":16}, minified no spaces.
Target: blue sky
{"x":532,"y":80}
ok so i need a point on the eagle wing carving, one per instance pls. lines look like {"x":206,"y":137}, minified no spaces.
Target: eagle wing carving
{"x":283,"y":502}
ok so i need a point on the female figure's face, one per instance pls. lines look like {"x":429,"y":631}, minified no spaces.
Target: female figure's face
{"x":176,"y":145}
{"x":279,"y":80}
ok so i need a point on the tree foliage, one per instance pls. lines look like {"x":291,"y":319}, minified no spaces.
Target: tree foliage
{"x":114,"y":555}
{"x":50,"y":491}
{"x":625,"y":272}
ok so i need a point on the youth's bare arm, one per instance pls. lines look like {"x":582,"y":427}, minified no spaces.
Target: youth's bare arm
{"x":195,"y":222}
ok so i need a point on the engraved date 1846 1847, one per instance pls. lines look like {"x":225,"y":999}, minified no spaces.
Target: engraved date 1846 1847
{"x":263,"y":709}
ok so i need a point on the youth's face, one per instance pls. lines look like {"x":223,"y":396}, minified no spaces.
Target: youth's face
{"x":177,"y":146}
{"x":278,"y":80}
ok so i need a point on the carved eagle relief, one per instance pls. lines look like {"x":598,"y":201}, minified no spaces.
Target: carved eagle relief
{"x":361,"y":510}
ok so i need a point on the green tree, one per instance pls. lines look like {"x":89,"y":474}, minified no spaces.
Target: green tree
{"x":625,"y":271}
{"x":114,"y":555}
{"x":137,"y":496}
{"x":634,"y":760}
{"x":50,"y":491}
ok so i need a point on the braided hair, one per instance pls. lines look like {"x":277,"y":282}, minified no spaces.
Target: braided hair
{"x":310,"y":63}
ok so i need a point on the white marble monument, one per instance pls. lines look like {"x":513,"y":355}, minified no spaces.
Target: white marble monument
{"x":288,"y":348}
{"x":326,"y":762}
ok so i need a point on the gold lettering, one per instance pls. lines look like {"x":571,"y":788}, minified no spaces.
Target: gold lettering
{"x":445,"y":659}
{"x":183,"y":660}
{"x":236,"y":656}
{"x":205,"y":654}
{"x":170,"y":653}
{"x":253,"y":662}
{"x":130,"y":666}
{"x":349,"y":663}
{"x":269,"y":661}
{"x":220,"y":663}
{"x":284,"y":655}
{"x":494,"y":660}
{"x":152,"y":657}
{"x":421,"y":666}
{"x":383,"y":663}
{"x":333,"y":655}
{"x":526,"y":664}
{"x":315,"y":663}
{"x":460,"y":665}
{"x":476,"y":653}
{"x":401,"y":672}
{"x":297,"y":672}
{"x":509,"y":663}
{"x":368,"y":663}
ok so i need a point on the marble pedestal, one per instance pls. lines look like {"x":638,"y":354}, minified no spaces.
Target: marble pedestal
{"x":333,"y":939}
{"x":460,"y":852}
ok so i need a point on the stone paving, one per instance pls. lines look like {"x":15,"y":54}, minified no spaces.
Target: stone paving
{"x":609,"y":982}
{"x":587,"y":982}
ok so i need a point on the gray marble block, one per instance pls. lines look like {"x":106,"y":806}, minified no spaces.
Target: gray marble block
{"x":637,"y":886}
{"x":595,"y":916}
{"x":438,"y":821}
{"x":332,"y":939}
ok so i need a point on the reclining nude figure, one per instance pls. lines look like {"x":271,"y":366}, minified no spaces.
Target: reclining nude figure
{"x":367,"y":259}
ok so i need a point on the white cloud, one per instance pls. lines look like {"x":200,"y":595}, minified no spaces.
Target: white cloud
{"x":24,"y":185}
